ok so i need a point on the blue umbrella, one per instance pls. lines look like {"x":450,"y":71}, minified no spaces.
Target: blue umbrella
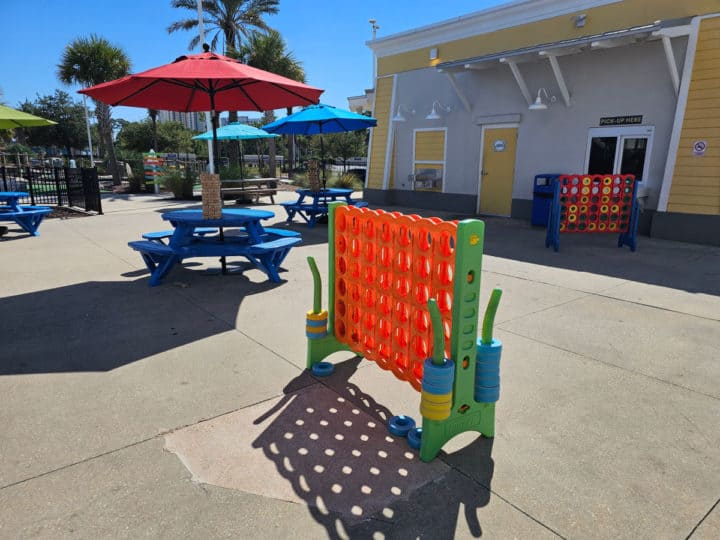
{"x":319,"y":119}
{"x":237,"y":131}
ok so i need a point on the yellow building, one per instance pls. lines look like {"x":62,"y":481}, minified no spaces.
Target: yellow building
{"x":470,"y":110}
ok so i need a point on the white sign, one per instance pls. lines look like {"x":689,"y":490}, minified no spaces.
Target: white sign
{"x":699,"y":148}
{"x":499,"y":145}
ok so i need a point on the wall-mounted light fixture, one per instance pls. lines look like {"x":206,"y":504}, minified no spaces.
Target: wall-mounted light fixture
{"x":580,"y":20}
{"x":399,"y":117}
{"x":434,"y":53}
{"x":539,"y":104}
{"x":436,"y":107}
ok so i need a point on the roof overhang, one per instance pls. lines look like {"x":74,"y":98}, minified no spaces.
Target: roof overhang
{"x":617,"y":38}
{"x":506,"y":15}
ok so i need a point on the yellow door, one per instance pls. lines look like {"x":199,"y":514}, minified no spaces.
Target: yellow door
{"x":498,"y":171}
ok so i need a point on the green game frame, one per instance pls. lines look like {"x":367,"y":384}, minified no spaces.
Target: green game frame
{"x":466,"y":413}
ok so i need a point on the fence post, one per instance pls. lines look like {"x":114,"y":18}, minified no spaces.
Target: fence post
{"x":4,"y":177}
{"x":56,"y":173}
{"x":29,"y":174}
{"x":91,"y":189}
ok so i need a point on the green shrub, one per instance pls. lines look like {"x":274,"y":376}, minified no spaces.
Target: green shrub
{"x":180,"y":182}
{"x":347,"y":181}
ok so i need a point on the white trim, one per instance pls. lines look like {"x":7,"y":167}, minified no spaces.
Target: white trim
{"x":672,"y":66}
{"x":480,"y":22}
{"x":519,"y":79}
{"x":431,"y":162}
{"x":679,"y":115}
{"x":558,"y":76}
{"x":390,"y":136}
{"x":482,"y":151}
{"x":622,"y":132}
{"x":459,"y":92}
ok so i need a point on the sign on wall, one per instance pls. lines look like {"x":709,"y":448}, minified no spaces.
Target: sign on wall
{"x":621,"y":120}
{"x":699,"y":148}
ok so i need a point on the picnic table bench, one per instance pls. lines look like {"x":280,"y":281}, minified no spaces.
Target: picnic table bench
{"x":27,"y":216}
{"x":312,"y":205}
{"x":264,"y":248}
{"x":251,"y":189}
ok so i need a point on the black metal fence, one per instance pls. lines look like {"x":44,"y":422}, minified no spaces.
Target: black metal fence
{"x":57,"y":186}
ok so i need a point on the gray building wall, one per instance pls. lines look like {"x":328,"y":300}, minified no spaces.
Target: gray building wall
{"x":628,"y":80}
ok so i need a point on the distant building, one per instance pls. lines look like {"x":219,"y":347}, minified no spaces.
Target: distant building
{"x":365,"y":102}
{"x":192,"y":120}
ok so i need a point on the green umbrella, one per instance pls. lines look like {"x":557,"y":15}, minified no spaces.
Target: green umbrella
{"x":12,"y":118}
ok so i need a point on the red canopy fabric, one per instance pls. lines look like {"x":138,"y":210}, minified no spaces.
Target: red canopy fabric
{"x":205,"y":82}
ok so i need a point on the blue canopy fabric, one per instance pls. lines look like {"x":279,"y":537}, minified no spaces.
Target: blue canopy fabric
{"x":236,"y":131}
{"x":319,"y":119}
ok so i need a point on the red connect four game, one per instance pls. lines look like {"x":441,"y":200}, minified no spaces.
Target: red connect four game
{"x":594,"y":203}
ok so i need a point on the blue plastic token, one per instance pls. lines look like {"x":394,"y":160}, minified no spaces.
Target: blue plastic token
{"x":323,"y":369}
{"x":400,"y":425}
{"x":413,"y":437}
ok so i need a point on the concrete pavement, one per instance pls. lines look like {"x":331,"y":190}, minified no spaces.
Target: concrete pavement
{"x":183,"y":411}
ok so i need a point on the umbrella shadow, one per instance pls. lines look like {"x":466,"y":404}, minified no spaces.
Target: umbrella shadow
{"x":102,"y":325}
{"x":332,"y":445}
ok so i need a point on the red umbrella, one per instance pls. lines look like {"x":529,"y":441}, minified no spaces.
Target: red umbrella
{"x":205,"y":82}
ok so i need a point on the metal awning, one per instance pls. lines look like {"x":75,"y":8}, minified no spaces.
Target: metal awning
{"x":550,"y":51}
{"x":566,"y":46}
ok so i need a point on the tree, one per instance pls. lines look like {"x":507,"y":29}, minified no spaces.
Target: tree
{"x":268,"y":52}
{"x":69,"y":132}
{"x":91,"y":61}
{"x":346,"y":145}
{"x":231,"y":20}
{"x":171,"y":137}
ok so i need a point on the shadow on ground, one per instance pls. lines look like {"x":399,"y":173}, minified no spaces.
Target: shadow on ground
{"x":357,"y":480}
{"x":678,"y":265}
{"x":99,"y":326}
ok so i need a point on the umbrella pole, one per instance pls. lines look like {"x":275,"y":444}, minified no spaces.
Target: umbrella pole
{"x":242,"y":175}
{"x":322,"y":160}
{"x":223,"y":262}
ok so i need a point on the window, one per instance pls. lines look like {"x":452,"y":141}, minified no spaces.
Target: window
{"x":428,"y":159}
{"x":619,"y":150}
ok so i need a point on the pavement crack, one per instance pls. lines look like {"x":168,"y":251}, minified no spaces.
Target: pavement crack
{"x":695,"y":528}
{"x":505,"y":500}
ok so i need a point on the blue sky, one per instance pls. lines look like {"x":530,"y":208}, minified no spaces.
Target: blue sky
{"x":327,"y":36}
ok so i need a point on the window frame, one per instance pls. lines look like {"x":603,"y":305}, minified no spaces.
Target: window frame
{"x":443,"y":163}
{"x":622,"y":133}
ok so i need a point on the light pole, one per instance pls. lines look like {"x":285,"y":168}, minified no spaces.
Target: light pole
{"x":375,"y":28}
{"x":87,"y":126}
{"x":208,"y":116}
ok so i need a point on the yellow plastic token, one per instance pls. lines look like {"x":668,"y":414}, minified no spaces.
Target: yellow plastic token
{"x":317,"y":316}
{"x":614,"y":208}
{"x":437,"y":398}
{"x":572,"y":218}
{"x":586,"y":180}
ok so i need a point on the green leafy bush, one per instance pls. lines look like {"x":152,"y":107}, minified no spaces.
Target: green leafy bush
{"x":180,"y":182}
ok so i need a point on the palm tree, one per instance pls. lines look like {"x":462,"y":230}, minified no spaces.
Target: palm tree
{"x":268,"y":52}
{"x":231,"y":20}
{"x":91,"y":61}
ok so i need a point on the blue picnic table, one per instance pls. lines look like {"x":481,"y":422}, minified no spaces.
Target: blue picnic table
{"x":264,"y":248}
{"x":311,"y":205}
{"x":27,"y":216}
